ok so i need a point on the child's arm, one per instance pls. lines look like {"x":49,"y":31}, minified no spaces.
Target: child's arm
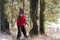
{"x":25,"y":20}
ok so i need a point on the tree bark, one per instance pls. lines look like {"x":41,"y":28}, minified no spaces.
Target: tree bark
{"x":4,"y":22}
{"x":2,"y":15}
{"x":42,"y":8}
{"x":34,"y":16}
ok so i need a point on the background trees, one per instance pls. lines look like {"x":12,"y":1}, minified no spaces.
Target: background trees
{"x":11,"y":15}
{"x":9,"y":9}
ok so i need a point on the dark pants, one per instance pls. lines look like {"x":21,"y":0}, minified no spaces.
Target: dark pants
{"x":19,"y":31}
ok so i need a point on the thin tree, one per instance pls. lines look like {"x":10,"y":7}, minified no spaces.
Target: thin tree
{"x":42,"y":8}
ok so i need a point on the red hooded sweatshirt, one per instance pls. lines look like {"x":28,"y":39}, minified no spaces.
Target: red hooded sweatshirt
{"x":21,"y":21}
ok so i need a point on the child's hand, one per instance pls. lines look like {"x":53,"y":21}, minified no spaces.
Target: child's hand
{"x":26,"y":23}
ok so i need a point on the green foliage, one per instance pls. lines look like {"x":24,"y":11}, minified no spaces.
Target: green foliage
{"x":51,"y":12}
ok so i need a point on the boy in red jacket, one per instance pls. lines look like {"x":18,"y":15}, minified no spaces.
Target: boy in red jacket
{"x":21,"y":23}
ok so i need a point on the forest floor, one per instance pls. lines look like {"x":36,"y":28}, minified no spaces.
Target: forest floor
{"x":38,"y":37}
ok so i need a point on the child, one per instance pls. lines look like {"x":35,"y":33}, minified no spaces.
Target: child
{"x":21,"y":24}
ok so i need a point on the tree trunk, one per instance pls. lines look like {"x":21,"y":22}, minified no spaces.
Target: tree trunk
{"x":4,"y":22}
{"x":2,"y":16}
{"x":34,"y":16}
{"x":42,"y":8}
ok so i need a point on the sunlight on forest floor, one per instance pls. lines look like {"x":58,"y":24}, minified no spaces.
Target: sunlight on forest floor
{"x":55,"y":36}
